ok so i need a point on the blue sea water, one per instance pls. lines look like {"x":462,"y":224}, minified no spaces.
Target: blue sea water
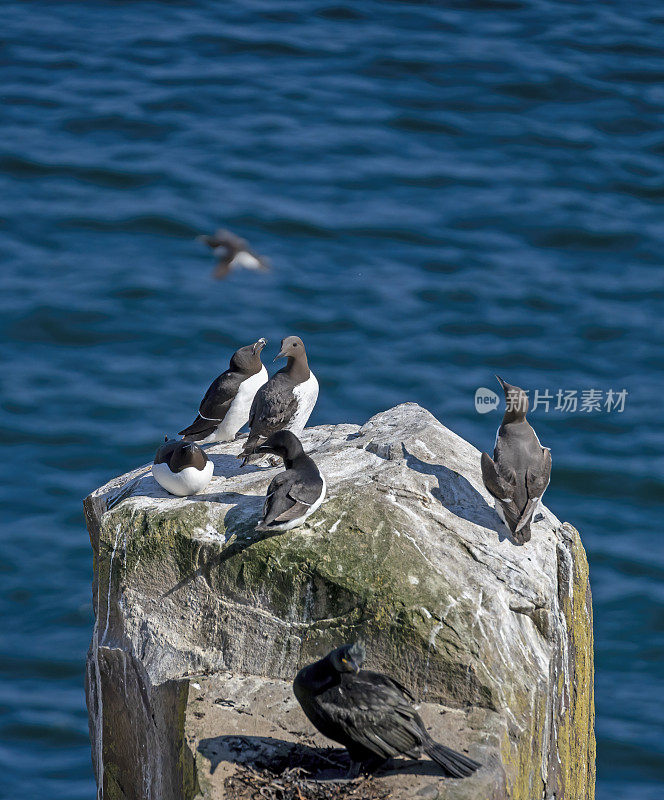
{"x":446,"y":190}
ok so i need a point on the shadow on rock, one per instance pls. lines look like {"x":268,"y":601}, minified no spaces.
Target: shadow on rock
{"x":228,"y":466}
{"x":239,"y":523}
{"x":458,"y":495}
{"x":278,"y":756}
{"x":275,"y":755}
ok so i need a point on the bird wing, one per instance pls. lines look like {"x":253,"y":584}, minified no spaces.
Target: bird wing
{"x":210,"y":241}
{"x":302,"y":493}
{"x":495,"y":483}
{"x":390,"y":683}
{"x":222,"y":269}
{"x":374,"y":711}
{"x":220,"y":395}
{"x":278,"y":502}
{"x":501,"y":483}
{"x":307,"y":488}
{"x":215,"y":403}
{"x":294,"y":511}
{"x":273,"y":407}
{"x":223,"y":238}
{"x":230,"y":239}
{"x":536,"y":483}
{"x":199,"y":425}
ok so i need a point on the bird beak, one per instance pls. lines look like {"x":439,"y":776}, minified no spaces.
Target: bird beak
{"x":504,"y":386}
{"x":262,"y":448}
{"x":280,"y":354}
{"x":259,"y":345}
{"x":354,"y":665}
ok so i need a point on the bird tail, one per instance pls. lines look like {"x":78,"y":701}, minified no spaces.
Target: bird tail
{"x":200,"y":428}
{"x":192,"y":434}
{"x":521,"y":532}
{"x":195,"y":437}
{"x":454,"y":764}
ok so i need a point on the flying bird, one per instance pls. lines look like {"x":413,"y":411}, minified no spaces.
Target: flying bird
{"x":232,"y":252}
{"x":520,"y":470}
{"x":294,"y":494}
{"x":227,"y":402}
{"x":369,"y":713}
{"x":286,"y":401}
{"x":182,"y":468}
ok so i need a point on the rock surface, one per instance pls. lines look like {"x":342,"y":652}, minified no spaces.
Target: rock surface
{"x":201,"y":623}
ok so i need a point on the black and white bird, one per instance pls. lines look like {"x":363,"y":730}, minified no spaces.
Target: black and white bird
{"x":520,"y":470}
{"x":286,"y":401}
{"x":226,"y":405}
{"x":232,"y":252}
{"x":181,"y":467}
{"x":294,"y":494}
{"x":369,"y":713}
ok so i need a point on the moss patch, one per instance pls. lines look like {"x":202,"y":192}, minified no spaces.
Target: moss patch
{"x":576,"y":701}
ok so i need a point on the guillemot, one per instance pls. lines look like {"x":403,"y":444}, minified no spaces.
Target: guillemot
{"x":369,"y":713}
{"x":232,"y":252}
{"x":294,"y":494}
{"x":182,"y":468}
{"x":226,"y":405}
{"x":286,"y":401}
{"x":520,"y":470}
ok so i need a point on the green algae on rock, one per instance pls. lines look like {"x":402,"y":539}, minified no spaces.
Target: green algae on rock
{"x":406,"y":553}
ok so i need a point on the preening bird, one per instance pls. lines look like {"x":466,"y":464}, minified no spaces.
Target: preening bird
{"x":294,"y":494}
{"x":286,"y":401}
{"x":232,"y":252}
{"x":182,"y":468}
{"x":226,"y":405}
{"x":520,"y":470}
{"x":369,"y":713}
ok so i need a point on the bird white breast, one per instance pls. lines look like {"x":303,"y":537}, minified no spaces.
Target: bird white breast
{"x":306,"y":394}
{"x":287,"y":526}
{"x":246,"y":260}
{"x":188,"y":481}
{"x":238,"y":413}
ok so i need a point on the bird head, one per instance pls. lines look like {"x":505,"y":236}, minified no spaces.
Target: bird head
{"x":516,"y":400}
{"x":291,"y":347}
{"x":248,"y":358}
{"x":284,"y":444}
{"x":348,"y":657}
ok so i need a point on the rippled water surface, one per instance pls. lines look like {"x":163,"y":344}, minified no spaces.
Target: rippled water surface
{"x":446,"y":190}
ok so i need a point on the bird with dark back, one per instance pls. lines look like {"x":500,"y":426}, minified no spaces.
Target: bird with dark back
{"x":370,"y":714}
{"x":520,"y":470}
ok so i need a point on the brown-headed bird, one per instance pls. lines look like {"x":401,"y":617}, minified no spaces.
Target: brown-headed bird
{"x":520,"y":470}
{"x":286,"y":401}
{"x":232,"y":252}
